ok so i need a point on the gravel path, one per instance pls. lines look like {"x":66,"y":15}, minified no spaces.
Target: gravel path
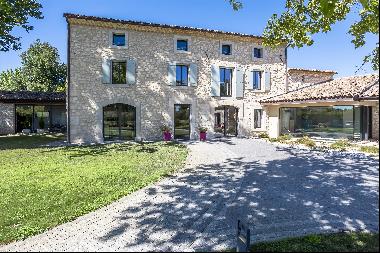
{"x":279,"y":191}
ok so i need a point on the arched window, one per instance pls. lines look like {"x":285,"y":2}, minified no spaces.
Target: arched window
{"x":119,"y":122}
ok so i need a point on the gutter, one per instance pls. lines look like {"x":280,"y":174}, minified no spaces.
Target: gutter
{"x":68,"y":82}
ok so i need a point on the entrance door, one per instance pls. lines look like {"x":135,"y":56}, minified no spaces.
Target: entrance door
{"x":226,"y":120}
{"x":182,"y":121}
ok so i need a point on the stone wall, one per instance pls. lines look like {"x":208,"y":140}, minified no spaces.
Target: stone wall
{"x":152,"y":96}
{"x":375,"y":122}
{"x":300,"y":78}
{"x":7,"y":118}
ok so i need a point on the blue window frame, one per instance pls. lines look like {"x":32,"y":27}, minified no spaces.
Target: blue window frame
{"x":182,"y":75}
{"x":225,"y":82}
{"x":258,"y":52}
{"x":257,"y":80}
{"x":226,"y":49}
{"x":182,"y":45}
{"x":118,"y":39}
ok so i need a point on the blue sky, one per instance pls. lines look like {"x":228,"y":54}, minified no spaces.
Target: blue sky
{"x":330,"y":51}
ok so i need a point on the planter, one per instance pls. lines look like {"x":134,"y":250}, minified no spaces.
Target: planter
{"x":40,"y":131}
{"x":26,"y":131}
{"x":167,"y":136}
{"x":202,"y":136}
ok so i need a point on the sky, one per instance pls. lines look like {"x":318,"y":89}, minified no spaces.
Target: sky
{"x":333,"y":51}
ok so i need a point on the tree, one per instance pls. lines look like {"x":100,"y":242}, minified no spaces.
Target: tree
{"x":41,"y":70}
{"x":16,"y":13}
{"x":12,"y":80}
{"x":303,"y":18}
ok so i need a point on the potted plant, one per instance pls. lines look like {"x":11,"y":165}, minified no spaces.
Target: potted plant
{"x":202,"y":133}
{"x":166,"y":130}
{"x":41,"y":124}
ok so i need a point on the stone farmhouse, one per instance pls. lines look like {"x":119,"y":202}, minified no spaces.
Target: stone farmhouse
{"x":127,"y":79}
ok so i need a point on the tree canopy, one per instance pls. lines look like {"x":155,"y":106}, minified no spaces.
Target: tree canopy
{"x":16,"y":13}
{"x":304,"y":18}
{"x":41,"y":70}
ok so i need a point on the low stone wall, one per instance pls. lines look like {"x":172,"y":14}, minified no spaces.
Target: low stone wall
{"x":7,"y":118}
{"x":375,"y":122}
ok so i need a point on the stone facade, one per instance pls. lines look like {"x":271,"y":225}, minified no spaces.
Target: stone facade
{"x":375,"y":121}
{"x":298,"y":78}
{"x":151,"y":95}
{"x":7,"y":118}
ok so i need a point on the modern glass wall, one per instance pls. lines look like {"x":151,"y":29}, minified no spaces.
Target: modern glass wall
{"x":324,"y":122}
{"x":47,"y":117}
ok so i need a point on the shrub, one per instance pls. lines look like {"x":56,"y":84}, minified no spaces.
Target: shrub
{"x":307,"y":141}
{"x":202,"y":129}
{"x":370,"y":149}
{"x":165,"y":128}
{"x":284,"y":138}
{"x":263,"y":135}
{"x":341,"y":144}
{"x":273,"y":139}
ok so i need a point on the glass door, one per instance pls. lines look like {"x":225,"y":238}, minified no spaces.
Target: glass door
{"x":181,"y":121}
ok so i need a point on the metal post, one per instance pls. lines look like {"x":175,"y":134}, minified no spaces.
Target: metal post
{"x":243,"y":237}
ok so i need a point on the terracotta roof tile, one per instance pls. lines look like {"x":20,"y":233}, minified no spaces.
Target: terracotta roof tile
{"x":139,"y":23}
{"x":355,"y":87}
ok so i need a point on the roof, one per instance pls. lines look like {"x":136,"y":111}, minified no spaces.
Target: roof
{"x":312,"y":70}
{"x":32,"y":97}
{"x":156,"y":25}
{"x":355,"y":87}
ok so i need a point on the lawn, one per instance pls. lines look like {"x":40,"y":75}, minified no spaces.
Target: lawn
{"x":339,"y":242}
{"x":43,"y":187}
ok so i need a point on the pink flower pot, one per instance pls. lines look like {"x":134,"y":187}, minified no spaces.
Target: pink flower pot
{"x":202,"y":136}
{"x":167,"y":136}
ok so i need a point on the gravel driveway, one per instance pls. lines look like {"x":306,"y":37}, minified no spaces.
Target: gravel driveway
{"x":279,"y":191}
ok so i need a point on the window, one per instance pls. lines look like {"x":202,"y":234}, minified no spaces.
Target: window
{"x":182,"y":45}
{"x":118,"y":39}
{"x":257,"y":75}
{"x":225,"y":82}
{"x":181,"y":121}
{"x":182,"y":75}
{"x":226,"y":49}
{"x":258,"y":52}
{"x":119,"y":72}
{"x":119,"y":122}
{"x":258,"y":114}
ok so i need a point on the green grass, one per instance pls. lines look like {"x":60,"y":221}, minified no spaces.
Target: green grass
{"x":43,"y":187}
{"x":28,"y":141}
{"x":370,"y":149}
{"x":339,"y":242}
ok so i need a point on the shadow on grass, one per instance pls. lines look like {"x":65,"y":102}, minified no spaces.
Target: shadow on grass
{"x":28,"y":141}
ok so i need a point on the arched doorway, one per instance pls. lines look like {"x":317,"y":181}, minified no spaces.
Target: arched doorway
{"x":119,"y":122}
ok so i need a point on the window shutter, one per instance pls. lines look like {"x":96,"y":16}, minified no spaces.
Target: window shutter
{"x":239,"y":83}
{"x":131,"y":72}
{"x":106,"y":71}
{"x":172,"y":73}
{"x":215,"y":81}
{"x":267,"y":78}
{"x":193,"y":75}
{"x":250,"y":79}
